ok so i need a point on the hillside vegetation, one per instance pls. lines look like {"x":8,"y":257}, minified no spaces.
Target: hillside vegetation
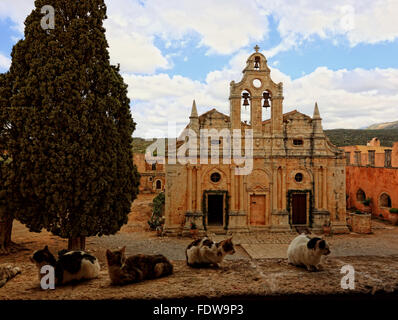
{"x":339,"y":137}
{"x":384,"y":125}
{"x":349,"y":137}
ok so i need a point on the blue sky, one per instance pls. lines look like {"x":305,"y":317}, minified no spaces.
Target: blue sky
{"x":340,"y":54}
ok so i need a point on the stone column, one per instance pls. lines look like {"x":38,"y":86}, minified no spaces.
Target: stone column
{"x":324,"y":189}
{"x":284,"y":191}
{"x":198,"y":191}
{"x":233,"y":197}
{"x":274,"y":193}
{"x":317,"y":193}
{"x":189,"y":189}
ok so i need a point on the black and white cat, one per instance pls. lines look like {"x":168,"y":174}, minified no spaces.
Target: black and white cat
{"x":307,"y":252}
{"x":7,"y":272}
{"x":70,"y":266}
{"x":204,"y":252}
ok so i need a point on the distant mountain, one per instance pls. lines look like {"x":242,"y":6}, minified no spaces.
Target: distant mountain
{"x":350,"y":137}
{"x":385,"y":125}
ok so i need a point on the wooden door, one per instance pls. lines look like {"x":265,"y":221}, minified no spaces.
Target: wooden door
{"x":299,"y":209}
{"x":215,"y":210}
{"x":257,"y":210}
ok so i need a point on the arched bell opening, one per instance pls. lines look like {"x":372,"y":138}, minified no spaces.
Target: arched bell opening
{"x":245,"y":107}
{"x":257,"y":63}
{"x":266,"y":105}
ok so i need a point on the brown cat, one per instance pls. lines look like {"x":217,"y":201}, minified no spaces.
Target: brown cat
{"x":7,"y":272}
{"x":136,"y":268}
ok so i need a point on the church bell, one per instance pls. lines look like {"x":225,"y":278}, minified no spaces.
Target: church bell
{"x":266,"y":97}
{"x":245,"y":97}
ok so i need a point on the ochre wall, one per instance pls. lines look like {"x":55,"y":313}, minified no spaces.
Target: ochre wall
{"x":374,"y":182}
{"x":148,"y":176}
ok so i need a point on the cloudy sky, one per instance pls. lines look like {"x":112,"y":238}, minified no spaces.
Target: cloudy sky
{"x":341,"y":53}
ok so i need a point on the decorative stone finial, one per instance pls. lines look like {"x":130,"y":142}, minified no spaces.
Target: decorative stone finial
{"x":194,"y":111}
{"x":316,"y":112}
{"x":256,"y":48}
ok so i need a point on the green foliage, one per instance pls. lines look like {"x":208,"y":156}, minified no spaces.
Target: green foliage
{"x":193,"y":226}
{"x":358,"y":212}
{"x":71,"y":126}
{"x":367,"y":202}
{"x":157,"y":218}
{"x":140,"y":145}
{"x":349,"y":137}
{"x":393,"y":210}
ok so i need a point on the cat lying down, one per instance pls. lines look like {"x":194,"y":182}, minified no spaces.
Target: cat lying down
{"x":307,"y":252}
{"x":7,"y":272}
{"x":70,"y":266}
{"x":204,"y":252}
{"x":124,"y":270}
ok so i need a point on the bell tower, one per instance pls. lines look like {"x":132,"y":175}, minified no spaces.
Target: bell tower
{"x":257,"y":91}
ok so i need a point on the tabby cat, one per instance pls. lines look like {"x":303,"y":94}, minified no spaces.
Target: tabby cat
{"x":205,"y":253}
{"x":123,"y":270}
{"x":70,"y":266}
{"x":7,"y":272}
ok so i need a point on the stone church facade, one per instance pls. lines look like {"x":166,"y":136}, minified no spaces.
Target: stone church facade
{"x":297,"y":178}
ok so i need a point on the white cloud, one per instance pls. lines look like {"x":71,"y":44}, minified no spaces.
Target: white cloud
{"x":227,"y":26}
{"x":366,"y":21}
{"x":346,"y":98}
{"x":5,"y":62}
{"x":17,"y":11}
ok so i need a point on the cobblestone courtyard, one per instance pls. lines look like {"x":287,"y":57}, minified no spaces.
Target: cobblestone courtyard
{"x":259,"y":266}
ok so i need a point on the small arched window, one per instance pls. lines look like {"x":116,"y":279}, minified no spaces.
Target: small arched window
{"x":361,"y":196}
{"x":158,"y":185}
{"x":154,"y":166}
{"x":385,"y":200}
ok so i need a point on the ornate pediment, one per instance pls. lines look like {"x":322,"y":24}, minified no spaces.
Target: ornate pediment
{"x":258,"y":188}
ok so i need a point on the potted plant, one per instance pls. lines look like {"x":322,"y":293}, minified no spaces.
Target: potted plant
{"x":326,"y":228}
{"x":394,"y":216}
{"x":367,"y":202}
{"x":194,"y":229}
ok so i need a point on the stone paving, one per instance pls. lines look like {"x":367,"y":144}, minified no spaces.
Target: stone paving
{"x":383,"y":242}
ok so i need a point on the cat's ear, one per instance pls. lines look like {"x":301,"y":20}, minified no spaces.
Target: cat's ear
{"x":123,"y":250}
{"x":108,"y":253}
{"x":46,"y":248}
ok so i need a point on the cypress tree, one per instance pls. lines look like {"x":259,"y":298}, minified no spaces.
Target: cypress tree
{"x":73,"y":172}
{"x":6,"y":216}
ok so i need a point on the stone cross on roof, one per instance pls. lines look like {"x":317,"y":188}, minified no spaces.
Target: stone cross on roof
{"x":256,"y":48}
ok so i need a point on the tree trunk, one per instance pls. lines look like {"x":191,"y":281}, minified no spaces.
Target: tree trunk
{"x":5,"y":235}
{"x":78,"y":243}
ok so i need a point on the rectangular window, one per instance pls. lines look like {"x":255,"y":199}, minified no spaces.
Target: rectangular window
{"x":298,"y":142}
